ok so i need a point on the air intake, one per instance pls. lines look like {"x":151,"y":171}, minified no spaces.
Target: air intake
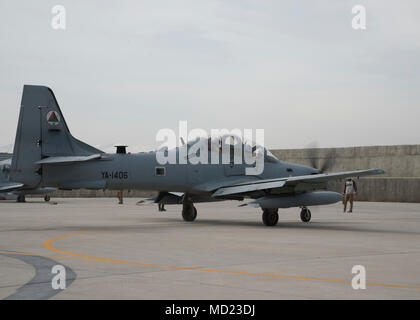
{"x":121,"y":149}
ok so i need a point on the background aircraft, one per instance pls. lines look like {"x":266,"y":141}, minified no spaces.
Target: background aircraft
{"x":47,"y":155}
{"x":16,"y":191}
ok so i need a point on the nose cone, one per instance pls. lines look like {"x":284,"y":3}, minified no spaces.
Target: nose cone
{"x":294,"y":169}
{"x":309,"y":170}
{"x":315,"y":171}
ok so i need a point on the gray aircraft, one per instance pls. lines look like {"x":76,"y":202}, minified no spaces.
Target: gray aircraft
{"x":47,"y":155}
{"x":17,"y":191}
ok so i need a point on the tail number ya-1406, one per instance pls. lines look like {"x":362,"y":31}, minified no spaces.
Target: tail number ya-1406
{"x":122,"y":175}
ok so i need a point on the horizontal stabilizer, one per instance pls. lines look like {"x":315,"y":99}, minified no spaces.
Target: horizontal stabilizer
{"x":10,"y":186}
{"x":68,"y":159}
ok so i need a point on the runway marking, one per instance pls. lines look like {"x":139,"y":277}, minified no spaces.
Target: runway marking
{"x":48,"y":244}
{"x":39,"y":287}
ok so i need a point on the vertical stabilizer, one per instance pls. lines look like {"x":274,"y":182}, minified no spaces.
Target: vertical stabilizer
{"x":42,"y":132}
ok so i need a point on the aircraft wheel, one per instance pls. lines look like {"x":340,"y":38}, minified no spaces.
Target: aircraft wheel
{"x":270,"y":217}
{"x":305,"y":215}
{"x":21,"y":198}
{"x":47,"y":198}
{"x":189,"y":212}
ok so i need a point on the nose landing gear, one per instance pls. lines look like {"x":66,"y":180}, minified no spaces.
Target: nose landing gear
{"x":305,"y":214}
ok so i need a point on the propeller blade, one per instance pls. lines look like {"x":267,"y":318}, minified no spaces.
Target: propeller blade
{"x":312,"y":154}
{"x":322,"y":164}
{"x":328,"y":161}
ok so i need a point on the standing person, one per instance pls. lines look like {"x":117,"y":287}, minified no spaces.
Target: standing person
{"x":350,"y":190}
{"x":120,"y":196}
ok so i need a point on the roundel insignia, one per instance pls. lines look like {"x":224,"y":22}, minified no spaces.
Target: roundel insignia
{"x":53,"y":118}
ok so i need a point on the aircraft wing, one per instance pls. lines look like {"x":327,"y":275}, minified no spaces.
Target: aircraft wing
{"x":10,"y":186}
{"x":68,"y":159}
{"x":295,"y":182}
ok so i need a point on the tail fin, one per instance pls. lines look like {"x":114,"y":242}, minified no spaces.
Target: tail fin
{"x":42,"y":132}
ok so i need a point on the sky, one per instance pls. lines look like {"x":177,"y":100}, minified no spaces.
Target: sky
{"x":123,"y":70}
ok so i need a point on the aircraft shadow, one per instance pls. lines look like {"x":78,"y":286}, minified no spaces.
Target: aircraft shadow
{"x":220,"y":223}
{"x":314,"y":225}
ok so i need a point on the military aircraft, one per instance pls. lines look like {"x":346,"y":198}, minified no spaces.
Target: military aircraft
{"x":16,"y":191}
{"x":47,"y":155}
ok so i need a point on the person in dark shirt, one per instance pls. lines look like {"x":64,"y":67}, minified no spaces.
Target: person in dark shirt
{"x":120,"y":196}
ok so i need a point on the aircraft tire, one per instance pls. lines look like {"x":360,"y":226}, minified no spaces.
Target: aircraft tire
{"x":305,"y":215}
{"x":21,"y":198}
{"x":47,"y":198}
{"x":270,"y":217}
{"x":189,"y":212}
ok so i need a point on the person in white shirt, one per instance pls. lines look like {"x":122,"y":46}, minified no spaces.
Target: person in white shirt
{"x":350,"y":190}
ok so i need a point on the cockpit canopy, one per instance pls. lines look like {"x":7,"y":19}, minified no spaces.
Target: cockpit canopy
{"x":228,"y":142}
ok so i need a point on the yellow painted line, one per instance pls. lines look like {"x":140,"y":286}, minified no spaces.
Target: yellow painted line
{"x":48,"y":244}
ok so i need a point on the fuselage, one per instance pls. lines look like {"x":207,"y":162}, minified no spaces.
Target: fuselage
{"x":142,"y":171}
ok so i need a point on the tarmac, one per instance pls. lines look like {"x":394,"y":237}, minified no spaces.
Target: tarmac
{"x":112,"y":251}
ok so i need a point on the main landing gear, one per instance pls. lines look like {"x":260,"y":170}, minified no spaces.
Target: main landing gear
{"x":47,"y":198}
{"x":189,"y":212}
{"x":305,"y":214}
{"x":270,"y":217}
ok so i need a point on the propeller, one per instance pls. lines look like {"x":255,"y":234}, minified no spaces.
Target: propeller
{"x":318,"y":161}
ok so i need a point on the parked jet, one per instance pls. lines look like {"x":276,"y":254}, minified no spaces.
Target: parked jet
{"x":47,"y":155}
{"x":16,"y":191}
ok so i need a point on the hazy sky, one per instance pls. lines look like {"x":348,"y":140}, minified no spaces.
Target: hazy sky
{"x":122,"y":70}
